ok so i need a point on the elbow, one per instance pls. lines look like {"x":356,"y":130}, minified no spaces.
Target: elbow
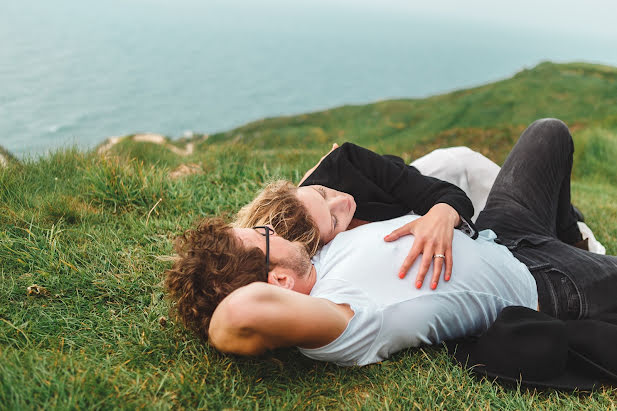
{"x":233,"y":344}
{"x":233,"y":328}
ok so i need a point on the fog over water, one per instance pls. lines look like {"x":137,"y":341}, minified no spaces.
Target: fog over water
{"x":76,"y":72}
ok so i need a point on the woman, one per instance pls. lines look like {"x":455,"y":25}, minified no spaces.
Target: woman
{"x":352,"y":186}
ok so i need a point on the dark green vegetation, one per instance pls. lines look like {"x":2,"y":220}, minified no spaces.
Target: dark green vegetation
{"x":92,"y":233}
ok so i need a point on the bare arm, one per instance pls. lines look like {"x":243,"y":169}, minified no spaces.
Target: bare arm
{"x":261,"y":317}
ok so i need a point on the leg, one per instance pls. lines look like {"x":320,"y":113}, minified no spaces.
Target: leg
{"x":529,"y":206}
{"x":531,"y":194}
{"x":572,"y":283}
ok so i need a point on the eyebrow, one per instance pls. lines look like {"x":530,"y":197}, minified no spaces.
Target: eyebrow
{"x":321,"y":192}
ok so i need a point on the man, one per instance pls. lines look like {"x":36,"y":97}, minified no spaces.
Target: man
{"x":249,"y":290}
{"x":358,"y":312}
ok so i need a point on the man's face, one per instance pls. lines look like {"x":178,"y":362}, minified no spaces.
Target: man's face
{"x":286,"y":258}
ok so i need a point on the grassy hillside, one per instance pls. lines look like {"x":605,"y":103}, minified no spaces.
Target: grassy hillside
{"x":83,"y":318}
{"x":5,"y":157}
{"x":579,"y":94}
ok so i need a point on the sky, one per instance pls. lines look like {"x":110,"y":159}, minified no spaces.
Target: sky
{"x":594,"y":17}
{"x":590,"y":16}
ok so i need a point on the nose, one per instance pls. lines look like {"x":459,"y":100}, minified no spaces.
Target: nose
{"x":338,"y":203}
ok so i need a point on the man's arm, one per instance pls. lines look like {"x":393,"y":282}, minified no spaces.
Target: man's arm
{"x":261,"y":316}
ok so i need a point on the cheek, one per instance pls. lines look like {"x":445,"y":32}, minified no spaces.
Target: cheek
{"x":340,"y":229}
{"x":345,"y":218}
{"x":323,"y":225}
{"x":343,"y":227}
{"x":324,"y":239}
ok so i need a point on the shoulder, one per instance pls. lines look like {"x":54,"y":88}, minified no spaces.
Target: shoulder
{"x":352,"y":152}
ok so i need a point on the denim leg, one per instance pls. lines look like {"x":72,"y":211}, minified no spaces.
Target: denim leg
{"x":572,"y":283}
{"x":558,"y":296}
{"x":531,"y":194}
{"x":529,"y":209}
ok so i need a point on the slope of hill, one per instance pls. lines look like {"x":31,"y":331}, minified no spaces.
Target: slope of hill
{"x":84,"y":235}
{"x":5,"y":157}
{"x":580,"y":94}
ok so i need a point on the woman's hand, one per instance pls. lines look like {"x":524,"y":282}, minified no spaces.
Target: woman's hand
{"x":433,"y":239}
{"x":308,"y":173}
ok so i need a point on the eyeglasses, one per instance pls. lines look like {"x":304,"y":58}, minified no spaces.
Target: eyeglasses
{"x":265,"y":231}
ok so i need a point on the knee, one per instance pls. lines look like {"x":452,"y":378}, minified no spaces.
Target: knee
{"x":553,"y":131}
{"x":552,"y":124}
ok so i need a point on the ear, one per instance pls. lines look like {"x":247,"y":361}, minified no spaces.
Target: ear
{"x":281,"y":280}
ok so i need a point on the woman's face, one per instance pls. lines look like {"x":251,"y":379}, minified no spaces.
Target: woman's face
{"x":331,"y":210}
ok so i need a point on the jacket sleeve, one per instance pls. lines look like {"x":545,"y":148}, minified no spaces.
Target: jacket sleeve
{"x":403,"y":183}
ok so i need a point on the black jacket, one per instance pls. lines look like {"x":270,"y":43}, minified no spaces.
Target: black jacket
{"x":384,"y":187}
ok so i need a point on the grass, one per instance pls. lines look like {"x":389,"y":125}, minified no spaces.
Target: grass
{"x":92,"y":233}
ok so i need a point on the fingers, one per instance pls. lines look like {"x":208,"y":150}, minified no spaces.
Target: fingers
{"x":437,"y":266}
{"x":334,"y":147}
{"x":449,"y":264}
{"x":415,"y":251}
{"x":427,"y":258}
{"x":431,"y":238}
{"x":400,"y":232}
{"x":423,"y":269}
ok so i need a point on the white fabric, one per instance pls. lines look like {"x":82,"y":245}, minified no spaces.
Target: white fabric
{"x":360,"y":269}
{"x":594,"y":245}
{"x":475,"y":174}
{"x":467,"y":169}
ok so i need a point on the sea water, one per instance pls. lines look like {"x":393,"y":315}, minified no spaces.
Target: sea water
{"x":78,"y":71}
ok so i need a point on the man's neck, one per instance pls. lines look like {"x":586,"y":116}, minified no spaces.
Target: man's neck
{"x":312,"y":277}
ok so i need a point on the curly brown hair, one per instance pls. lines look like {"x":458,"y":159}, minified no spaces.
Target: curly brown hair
{"x":278,"y":206}
{"x":211,"y":263}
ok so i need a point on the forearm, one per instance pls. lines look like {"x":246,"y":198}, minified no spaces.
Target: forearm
{"x":261,"y":317}
{"x":405,"y":184}
{"x":421,"y":193}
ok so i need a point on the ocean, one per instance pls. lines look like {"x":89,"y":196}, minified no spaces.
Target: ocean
{"x":74,"y":72}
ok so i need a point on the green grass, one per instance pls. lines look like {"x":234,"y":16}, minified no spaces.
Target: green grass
{"x":93,"y":232}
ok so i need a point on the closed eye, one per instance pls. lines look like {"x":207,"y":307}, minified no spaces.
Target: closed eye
{"x":321,"y":191}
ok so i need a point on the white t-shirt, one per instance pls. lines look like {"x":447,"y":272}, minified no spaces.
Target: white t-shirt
{"x":360,"y":269}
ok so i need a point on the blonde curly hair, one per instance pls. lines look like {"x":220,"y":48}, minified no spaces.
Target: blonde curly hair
{"x":278,"y":206}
